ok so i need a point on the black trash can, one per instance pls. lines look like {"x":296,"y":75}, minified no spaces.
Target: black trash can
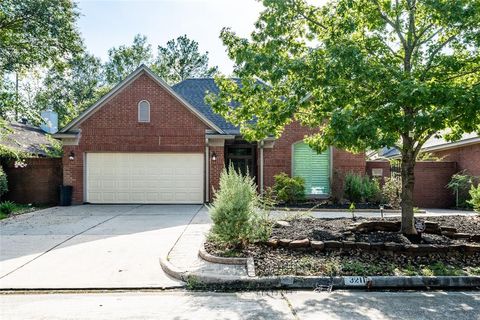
{"x":66,"y":195}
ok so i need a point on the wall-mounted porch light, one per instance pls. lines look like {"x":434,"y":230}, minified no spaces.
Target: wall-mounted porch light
{"x":214,"y":156}
{"x":71,"y":156}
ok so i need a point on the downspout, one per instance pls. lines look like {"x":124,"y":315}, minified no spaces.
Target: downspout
{"x":207,"y":170}
{"x":261,"y":166}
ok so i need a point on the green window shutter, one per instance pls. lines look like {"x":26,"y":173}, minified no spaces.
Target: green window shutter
{"x":313,"y":167}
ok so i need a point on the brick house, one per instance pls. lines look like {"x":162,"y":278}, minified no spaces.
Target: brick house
{"x":148,"y":142}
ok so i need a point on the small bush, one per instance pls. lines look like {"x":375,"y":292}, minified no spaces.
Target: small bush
{"x":392,"y":191}
{"x":237,"y":220}
{"x":475,"y":194}
{"x":7,"y":207}
{"x":371,"y":190}
{"x":359,"y":188}
{"x":353,"y":187}
{"x":3,"y":182}
{"x":460,"y":184}
{"x":289,"y":190}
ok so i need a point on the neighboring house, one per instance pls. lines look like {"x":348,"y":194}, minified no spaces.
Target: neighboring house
{"x":465,"y":152}
{"x":147,"y":142}
{"x":26,"y":138}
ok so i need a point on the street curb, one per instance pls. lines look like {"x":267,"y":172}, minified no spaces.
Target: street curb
{"x":202,"y":253}
{"x":313,"y":282}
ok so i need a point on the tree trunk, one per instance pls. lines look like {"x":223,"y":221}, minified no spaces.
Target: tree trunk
{"x":408,"y":181}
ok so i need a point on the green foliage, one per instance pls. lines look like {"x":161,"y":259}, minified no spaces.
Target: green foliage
{"x":125,"y":59}
{"x":391,"y":191}
{"x":9,"y":153}
{"x":180,"y":59}
{"x":3,"y":182}
{"x":236,"y":218}
{"x":353,"y":187}
{"x":475,"y":194}
{"x":289,"y":189}
{"x":7,"y":207}
{"x":368,"y":73}
{"x":36,"y":32}
{"x":54,"y":149}
{"x":358,"y":188}
{"x":460,"y":184}
{"x":71,"y":87}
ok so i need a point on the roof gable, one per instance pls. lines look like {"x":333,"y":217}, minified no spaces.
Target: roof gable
{"x":120,"y":86}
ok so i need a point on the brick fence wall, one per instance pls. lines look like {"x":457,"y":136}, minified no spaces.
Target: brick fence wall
{"x":430,"y":180}
{"x":431,"y":177}
{"x":37,"y":183}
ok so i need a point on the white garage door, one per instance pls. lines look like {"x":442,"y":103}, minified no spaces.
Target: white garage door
{"x":144,"y":178}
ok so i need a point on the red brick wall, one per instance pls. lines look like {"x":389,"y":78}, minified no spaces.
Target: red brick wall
{"x":279,"y":159}
{"x":384,"y":165}
{"x":115,"y":128}
{"x":467,"y":158}
{"x":37,"y":183}
{"x":216,"y":168}
{"x":430,"y":180}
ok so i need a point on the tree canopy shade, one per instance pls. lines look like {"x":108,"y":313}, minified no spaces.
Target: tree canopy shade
{"x":367,"y":73}
{"x":180,"y":59}
{"x":34,"y":32}
{"x":72,"y":86}
{"x":125,"y":59}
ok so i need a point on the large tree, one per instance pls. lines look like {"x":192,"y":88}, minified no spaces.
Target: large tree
{"x":35,"y":32}
{"x":72,"y":86}
{"x":125,"y":59}
{"x":180,"y":59}
{"x":367,"y":73}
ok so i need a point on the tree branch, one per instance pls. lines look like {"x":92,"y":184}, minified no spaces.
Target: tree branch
{"x":394,"y":25}
{"x":434,"y":53}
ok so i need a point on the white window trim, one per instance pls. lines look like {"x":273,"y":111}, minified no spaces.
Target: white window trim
{"x":138,"y":111}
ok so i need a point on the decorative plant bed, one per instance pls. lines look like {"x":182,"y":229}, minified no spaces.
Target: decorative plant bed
{"x":449,"y":246}
{"x":315,"y":204}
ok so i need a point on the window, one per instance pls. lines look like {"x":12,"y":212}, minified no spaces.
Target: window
{"x":144,"y":111}
{"x":314,"y":168}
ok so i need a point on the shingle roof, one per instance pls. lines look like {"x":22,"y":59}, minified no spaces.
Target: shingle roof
{"x":194,"y":92}
{"x":26,"y":138}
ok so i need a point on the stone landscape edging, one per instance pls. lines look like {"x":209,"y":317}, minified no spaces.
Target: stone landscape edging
{"x":341,"y":210}
{"x":317,"y":282}
{"x":202,"y":253}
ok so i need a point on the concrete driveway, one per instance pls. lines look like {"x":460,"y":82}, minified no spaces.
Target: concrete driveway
{"x":91,"y":246}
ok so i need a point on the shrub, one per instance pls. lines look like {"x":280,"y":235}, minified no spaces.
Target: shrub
{"x":460,"y":184}
{"x":391,"y":192}
{"x":371,"y":190}
{"x":289,"y":190}
{"x":359,"y":188}
{"x":353,"y":187}
{"x":3,"y":182}
{"x":236,"y":218}
{"x":475,"y":194}
{"x":7,"y":207}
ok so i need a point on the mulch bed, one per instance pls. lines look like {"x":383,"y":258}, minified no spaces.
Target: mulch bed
{"x":287,"y":261}
{"x":338,"y":229}
{"x":326,"y":204}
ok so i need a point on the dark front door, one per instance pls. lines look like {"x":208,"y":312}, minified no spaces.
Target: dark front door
{"x":242,"y":157}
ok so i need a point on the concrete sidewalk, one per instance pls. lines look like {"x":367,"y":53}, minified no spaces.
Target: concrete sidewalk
{"x":184,"y":254}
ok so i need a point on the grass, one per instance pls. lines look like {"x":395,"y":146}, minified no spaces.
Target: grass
{"x":435,"y":269}
{"x":21,"y":209}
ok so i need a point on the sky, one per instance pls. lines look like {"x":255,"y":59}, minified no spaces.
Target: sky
{"x":108,"y":23}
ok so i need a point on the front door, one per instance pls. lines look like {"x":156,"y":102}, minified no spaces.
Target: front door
{"x":242,"y":157}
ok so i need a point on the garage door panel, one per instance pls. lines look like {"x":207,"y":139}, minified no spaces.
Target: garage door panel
{"x":144,"y":178}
